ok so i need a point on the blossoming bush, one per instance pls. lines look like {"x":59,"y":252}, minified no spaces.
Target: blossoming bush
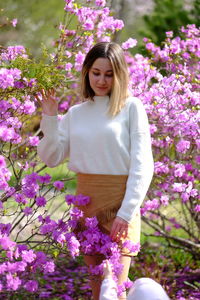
{"x":167,"y":83}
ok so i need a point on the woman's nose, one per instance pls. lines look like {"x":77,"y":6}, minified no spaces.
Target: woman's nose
{"x":102,"y":79}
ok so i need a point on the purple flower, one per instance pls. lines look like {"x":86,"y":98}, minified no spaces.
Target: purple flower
{"x":31,"y":286}
{"x":77,"y":199}
{"x":28,"y":256}
{"x":45,"y":178}
{"x":72,"y":244}
{"x":40,"y":201}
{"x":48,"y":228}
{"x":59,"y":185}
{"x":27,"y":211}
{"x":20,"y":198}
{"x":91,"y":222}
{"x":64,"y":106}
{"x":76,"y":213}
{"x":5,"y":228}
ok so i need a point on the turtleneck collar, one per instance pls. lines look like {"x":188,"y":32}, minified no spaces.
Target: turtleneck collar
{"x":101,"y":98}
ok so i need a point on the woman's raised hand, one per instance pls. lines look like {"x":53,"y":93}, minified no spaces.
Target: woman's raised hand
{"x":48,"y":102}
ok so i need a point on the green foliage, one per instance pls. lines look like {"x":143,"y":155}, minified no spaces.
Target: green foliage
{"x":37,"y":23}
{"x":169,"y":15}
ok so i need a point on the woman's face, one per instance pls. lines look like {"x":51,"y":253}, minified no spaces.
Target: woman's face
{"x":101,"y":77}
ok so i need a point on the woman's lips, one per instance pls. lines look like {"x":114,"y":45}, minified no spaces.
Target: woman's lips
{"x":102,"y":88}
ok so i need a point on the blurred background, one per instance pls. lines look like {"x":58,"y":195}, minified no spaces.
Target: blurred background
{"x":38,"y":20}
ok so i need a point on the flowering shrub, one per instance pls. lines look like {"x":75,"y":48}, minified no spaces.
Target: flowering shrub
{"x":170,"y":91}
{"x":168,"y":85}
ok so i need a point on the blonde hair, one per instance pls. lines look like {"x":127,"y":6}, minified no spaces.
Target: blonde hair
{"x":119,"y":91}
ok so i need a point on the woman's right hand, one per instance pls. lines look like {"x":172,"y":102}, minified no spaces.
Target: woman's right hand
{"x":48,"y":103}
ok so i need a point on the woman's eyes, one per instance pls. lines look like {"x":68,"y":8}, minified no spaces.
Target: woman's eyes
{"x":98,"y":74}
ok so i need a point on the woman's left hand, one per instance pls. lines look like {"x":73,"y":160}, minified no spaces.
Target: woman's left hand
{"x":119,"y":229}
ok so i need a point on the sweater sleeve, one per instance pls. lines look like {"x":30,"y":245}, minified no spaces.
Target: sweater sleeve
{"x":108,"y":290}
{"x":53,"y":148}
{"x":141,"y":162}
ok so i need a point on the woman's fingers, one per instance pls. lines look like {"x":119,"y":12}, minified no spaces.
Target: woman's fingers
{"x":38,"y":99}
{"x":119,"y":229}
{"x":48,"y":102}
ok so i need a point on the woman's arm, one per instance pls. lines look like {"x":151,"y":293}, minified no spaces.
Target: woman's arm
{"x":141,"y":164}
{"x":54,"y":146}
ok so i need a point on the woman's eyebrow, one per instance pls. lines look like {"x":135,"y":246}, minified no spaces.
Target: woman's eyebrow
{"x":100,"y":70}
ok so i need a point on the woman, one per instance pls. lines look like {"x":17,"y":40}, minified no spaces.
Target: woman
{"x":108,"y":143}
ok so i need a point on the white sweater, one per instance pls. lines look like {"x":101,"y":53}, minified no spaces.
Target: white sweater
{"x":98,"y":144}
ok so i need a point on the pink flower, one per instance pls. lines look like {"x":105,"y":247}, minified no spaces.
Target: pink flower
{"x":2,"y":161}
{"x":8,"y":77}
{"x":130,"y":43}
{"x":179,"y":187}
{"x":164,"y":200}
{"x":182,"y":146}
{"x":28,"y":256}
{"x":6,"y":243}
{"x":88,"y":25}
{"x":14,"y":22}
{"x":169,"y":34}
{"x":79,"y":58}
{"x":197,"y":208}
{"x":13,"y":283}
{"x":100,"y":3}
{"x":68,"y":66}
{"x":33,"y":140}
{"x":179,"y":170}
{"x":28,"y":107}
{"x":49,"y":267}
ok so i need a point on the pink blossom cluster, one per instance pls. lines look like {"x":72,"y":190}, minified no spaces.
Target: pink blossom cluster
{"x":89,"y":241}
{"x":20,"y":262}
{"x":9,"y":77}
{"x":12,"y":52}
{"x":5,"y":175}
{"x":170,"y":93}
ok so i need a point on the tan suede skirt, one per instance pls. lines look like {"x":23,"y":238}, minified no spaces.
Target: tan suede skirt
{"x":106,"y":193}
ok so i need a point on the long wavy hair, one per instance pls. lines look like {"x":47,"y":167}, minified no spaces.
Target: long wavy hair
{"x":119,"y":91}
